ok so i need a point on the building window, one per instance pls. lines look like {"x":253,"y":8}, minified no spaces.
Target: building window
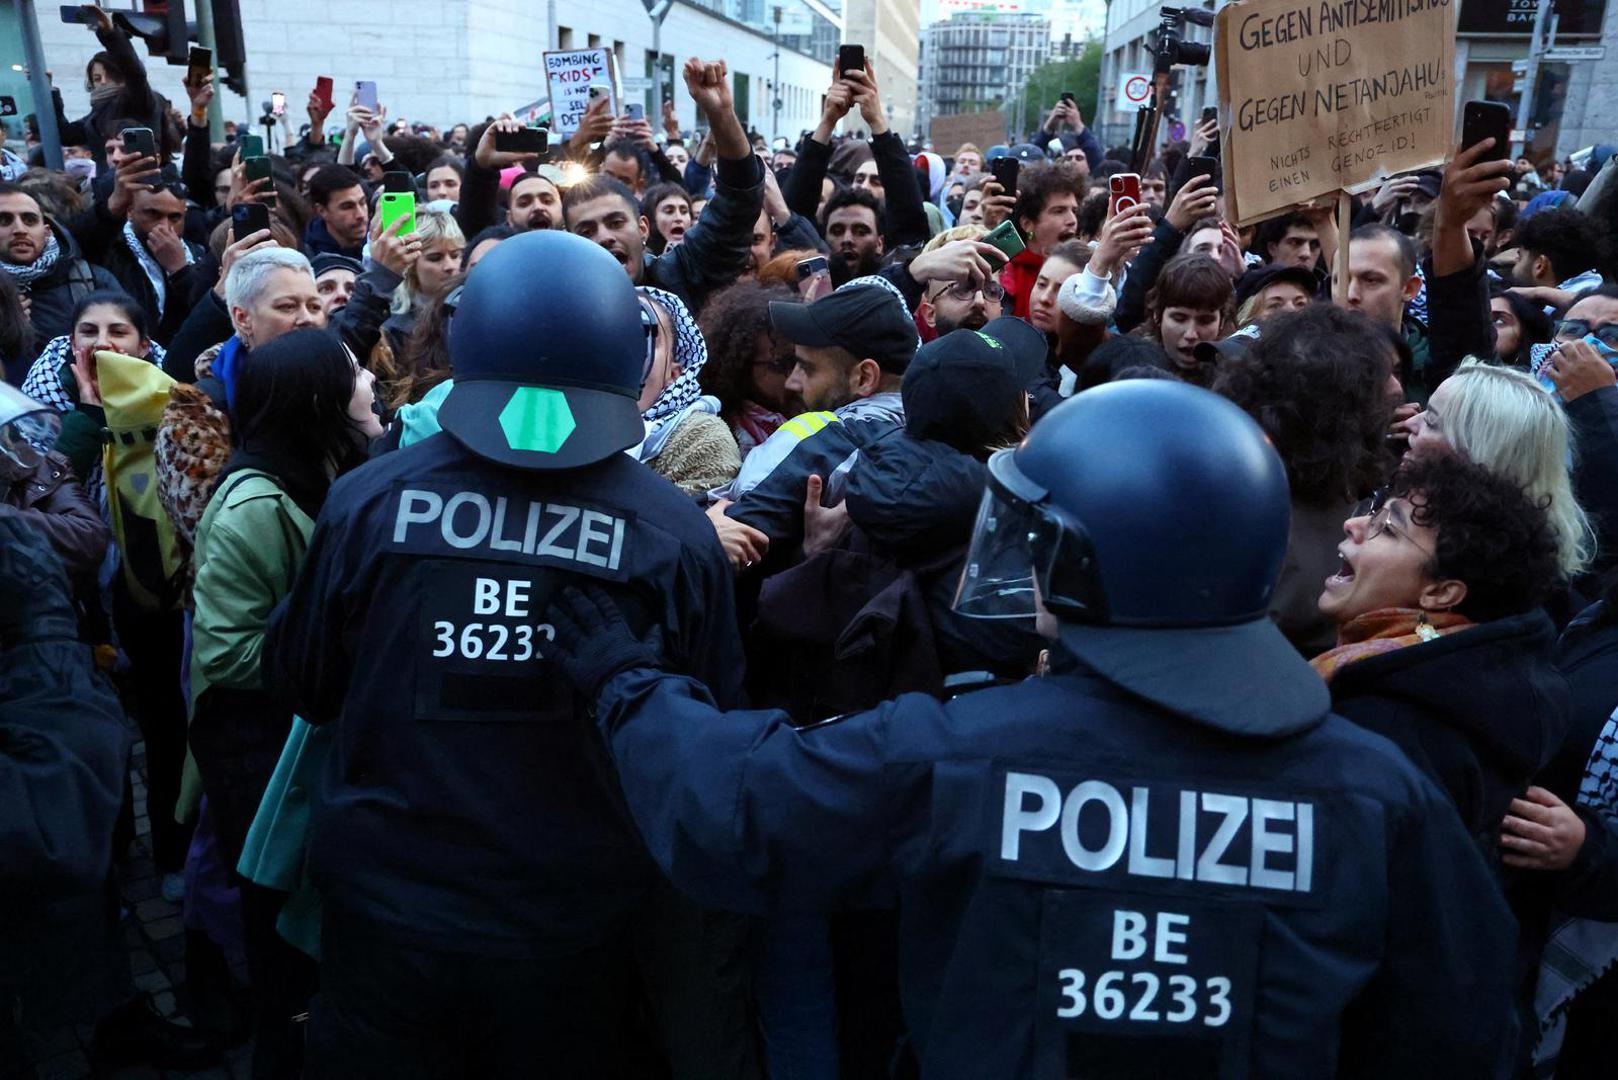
{"x":564,"y":37}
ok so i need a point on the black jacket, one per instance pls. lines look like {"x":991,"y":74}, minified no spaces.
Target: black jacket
{"x":54,"y":295}
{"x":467,"y":807}
{"x":904,"y":216}
{"x":917,"y":500}
{"x":1480,"y":710}
{"x":136,"y":101}
{"x":1595,"y":479}
{"x":714,"y":252}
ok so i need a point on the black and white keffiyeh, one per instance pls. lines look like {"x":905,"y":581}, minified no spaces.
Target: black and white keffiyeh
{"x":154,"y":273}
{"x":27,"y":275}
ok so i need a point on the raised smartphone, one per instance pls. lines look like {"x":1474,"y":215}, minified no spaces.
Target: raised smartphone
{"x":1006,"y":239}
{"x":1125,"y":189}
{"x":850,"y":58}
{"x":1487,"y":120}
{"x":396,"y":205}
{"x":1004,"y":170}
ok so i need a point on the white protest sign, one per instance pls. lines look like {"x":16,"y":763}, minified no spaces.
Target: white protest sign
{"x":1134,"y":89}
{"x":569,"y":76}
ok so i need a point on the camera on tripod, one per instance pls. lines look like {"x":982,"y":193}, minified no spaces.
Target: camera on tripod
{"x":1170,"y":48}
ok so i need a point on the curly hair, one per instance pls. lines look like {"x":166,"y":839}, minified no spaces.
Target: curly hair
{"x":1038,"y":183}
{"x":731,"y":322}
{"x":1572,"y":241}
{"x":1491,"y":534}
{"x":1315,"y":382}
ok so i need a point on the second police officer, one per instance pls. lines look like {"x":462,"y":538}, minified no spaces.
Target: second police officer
{"x":1163,"y":858}
{"x":480,"y":873}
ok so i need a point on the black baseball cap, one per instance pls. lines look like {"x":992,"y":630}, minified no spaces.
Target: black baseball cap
{"x":1026,"y":345}
{"x":867,"y":320}
{"x":964,"y":389}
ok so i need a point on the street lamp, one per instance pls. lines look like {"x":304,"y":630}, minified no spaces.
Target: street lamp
{"x":775,"y":102}
{"x":657,"y":11}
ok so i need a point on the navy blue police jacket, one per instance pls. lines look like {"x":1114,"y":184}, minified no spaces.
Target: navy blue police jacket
{"x":469,"y":804}
{"x":1092,"y":886}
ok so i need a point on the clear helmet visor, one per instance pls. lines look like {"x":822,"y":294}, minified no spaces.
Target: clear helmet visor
{"x":28,"y":430}
{"x":998,"y":579}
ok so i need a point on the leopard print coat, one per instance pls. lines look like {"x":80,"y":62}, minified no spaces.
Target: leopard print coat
{"x":193,"y":444}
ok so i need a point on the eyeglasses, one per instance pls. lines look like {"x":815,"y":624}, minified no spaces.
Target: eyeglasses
{"x":965,"y":290}
{"x":1578,"y":329}
{"x":1380,"y":511}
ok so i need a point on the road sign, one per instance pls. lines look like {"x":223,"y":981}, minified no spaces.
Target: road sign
{"x":1574,"y":53}
{"x":636,"y":84}
{"x":1134,"y":90}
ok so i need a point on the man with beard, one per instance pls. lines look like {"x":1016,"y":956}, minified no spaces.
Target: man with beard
{"x":535,"y":203}
{"x":44,"y":263}
{"x":959,"y":289}
{"x":715,"y":251}
{"x":852,"y":226}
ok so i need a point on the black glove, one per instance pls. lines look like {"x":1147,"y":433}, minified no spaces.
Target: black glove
{"x":593,"y":642}
{"x":35,"y":602}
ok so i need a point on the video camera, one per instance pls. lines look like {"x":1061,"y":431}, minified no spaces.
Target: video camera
{"x":1170,"y":48}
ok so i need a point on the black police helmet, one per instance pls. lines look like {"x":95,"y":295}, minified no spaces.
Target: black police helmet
{"x":547,"y":347}
{"x":1153,"y":518}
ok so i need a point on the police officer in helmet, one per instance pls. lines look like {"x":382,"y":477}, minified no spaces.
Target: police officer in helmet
{"x":1163,"y":857}
{"x":481,"y":877}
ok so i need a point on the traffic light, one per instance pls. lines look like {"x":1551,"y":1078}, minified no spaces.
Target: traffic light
{"x":162,"y":25}
{"x":230,"y":55}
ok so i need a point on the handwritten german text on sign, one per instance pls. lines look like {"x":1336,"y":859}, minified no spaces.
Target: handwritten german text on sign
{"x":570,"y":75}
{"x":1330,"y":96}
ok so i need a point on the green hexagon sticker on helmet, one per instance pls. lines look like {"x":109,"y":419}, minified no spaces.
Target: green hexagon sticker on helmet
{"x":537,"y":419}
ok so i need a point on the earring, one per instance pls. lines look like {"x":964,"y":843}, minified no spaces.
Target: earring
{"x":1424,"y":629}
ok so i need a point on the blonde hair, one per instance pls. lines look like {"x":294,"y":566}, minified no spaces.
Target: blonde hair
{"x":1504,"y":420}
{"x":959,"y":232}
{"x":431,"y":226}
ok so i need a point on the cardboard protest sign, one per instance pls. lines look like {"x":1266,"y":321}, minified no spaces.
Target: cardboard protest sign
{"x":569,"y":75}
{"x":1329,"y":96}
{"x":981,"y":128}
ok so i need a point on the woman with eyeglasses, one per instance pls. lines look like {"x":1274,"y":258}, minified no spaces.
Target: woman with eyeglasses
{"x":1441,"y":643}
{"x":748,"y":364}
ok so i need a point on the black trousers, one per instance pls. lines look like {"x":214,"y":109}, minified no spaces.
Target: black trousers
{"x":155,"y":644}
{"x":393,"y":1012}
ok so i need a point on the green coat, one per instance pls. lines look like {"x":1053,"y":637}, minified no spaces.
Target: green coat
{"x":250,"y":543}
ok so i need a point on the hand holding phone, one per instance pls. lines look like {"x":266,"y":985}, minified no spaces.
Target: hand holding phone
{"x":1487,"y":120}
{"x":1125,"y":191}
{"x":1005,"y":238}
{"x":256,"y":169}
{"x":396,"y":206}
{"x":248,"y":218}
{"x":814,"y":277}
{"x":365,"y":95}
{"x":251,"y":145}
{"x":635,"y":111}
{"x":198,"y":65}
{"x":850,"y":58}
{"x":524,"y":140}
{"x":323,"y":90}
{"x":1004,"y":170}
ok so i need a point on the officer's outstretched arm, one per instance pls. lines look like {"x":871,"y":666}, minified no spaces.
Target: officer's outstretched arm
{"x":1441,"y":1004}
{"x":741,"y":810}
{"x":745,"y":812}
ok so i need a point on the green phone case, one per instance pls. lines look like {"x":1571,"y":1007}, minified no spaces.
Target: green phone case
{"x":252,"y":146}
{"x":1006,"y":239}
{"x":396,"y":205}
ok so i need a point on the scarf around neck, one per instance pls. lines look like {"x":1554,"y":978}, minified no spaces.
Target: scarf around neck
{"x":154,"y":273}
{"x":27,"y":275}
{"x":1382,"y":631}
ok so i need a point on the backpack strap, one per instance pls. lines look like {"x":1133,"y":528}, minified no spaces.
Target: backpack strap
{"x":81,"y":280}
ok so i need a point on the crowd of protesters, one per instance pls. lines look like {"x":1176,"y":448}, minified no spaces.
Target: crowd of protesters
{"x":833,"y":352}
